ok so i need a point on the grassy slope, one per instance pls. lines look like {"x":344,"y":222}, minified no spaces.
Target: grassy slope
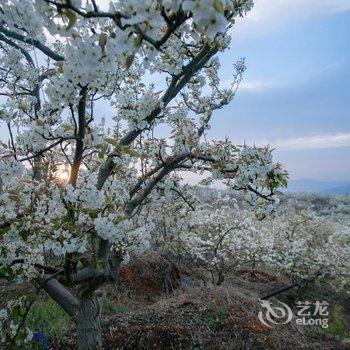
{"x":142,"y":314}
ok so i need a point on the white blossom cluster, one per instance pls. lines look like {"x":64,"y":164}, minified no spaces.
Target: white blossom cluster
{"x":306,"y":246}
{"x":10,"y":318}
{"x":221,"y":236}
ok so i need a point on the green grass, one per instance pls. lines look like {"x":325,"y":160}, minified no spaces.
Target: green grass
{"x":336,"y":324}
{"x":54,"y":322}
{"x":214,"y":316}
{"x":211,"y":321}
{"x":223,"y":312}
{"x":111,"y":307}
{"x":47,"y":316}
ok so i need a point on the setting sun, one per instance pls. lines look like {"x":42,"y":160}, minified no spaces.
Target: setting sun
{"x":61,"y":175}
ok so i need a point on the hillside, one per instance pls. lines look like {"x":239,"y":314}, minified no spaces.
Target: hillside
{"x":340,"y":190}
{"x":159,"y":304}
{"x":322,"y":187}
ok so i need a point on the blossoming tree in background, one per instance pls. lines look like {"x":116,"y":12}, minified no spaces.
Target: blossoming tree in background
{"x":221,"y":238}
{"x":297,"y":244}
{"x":305,"y":247}
{"x":73,"y":184}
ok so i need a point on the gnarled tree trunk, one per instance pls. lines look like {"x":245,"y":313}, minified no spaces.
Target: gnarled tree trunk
{"x":88,"y":321}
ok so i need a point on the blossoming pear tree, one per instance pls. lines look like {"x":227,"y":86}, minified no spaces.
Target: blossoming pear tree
{"x":72,"y":183}
{"x":221,"y":239}
{"x":306,"y":247}
{"x":301,"y":245}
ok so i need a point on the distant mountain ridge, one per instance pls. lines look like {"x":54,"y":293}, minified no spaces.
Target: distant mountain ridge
{"x":340,"y":190}
{"x":322,"y":187}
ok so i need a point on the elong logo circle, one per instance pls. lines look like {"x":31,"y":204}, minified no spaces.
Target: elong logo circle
{"x":274,"y":314}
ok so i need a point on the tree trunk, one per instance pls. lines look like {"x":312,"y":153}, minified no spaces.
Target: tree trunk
{"x":89,"y":324}
{"x":220,"y":278}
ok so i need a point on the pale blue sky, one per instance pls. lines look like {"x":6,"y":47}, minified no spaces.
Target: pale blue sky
{"x":295,"y":94}
{"x":296,"y":91}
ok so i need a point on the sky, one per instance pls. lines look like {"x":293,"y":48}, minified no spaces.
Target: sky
{"x":295,"y":94}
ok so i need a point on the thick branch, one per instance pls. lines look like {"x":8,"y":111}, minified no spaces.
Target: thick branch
{"x":79,"y":147}
{"x":24,"y":52}
{"x":42,"y":151}
{"x":147,"y":190}
{"x":45,"y":268}
{"x":60,"y":295}
{"x":178,"y":82}
{"x":45,"y":49}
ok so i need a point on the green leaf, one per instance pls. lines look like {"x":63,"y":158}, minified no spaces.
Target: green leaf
{"x":72,"y":19}
{"x":7,"y":273}
{"x":279,"y":180}
{"x":114,"y":143}
{"x":99,"y":265}
{"x":102,"y":151}
{"x":219,"y":7}
{"x":284,"y":182}
{"x":93,"y":213}
{"x":131,"y":152}
{"x":122,"y":149}
{"x":118,"y":220}
{"x":16,"y":311}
